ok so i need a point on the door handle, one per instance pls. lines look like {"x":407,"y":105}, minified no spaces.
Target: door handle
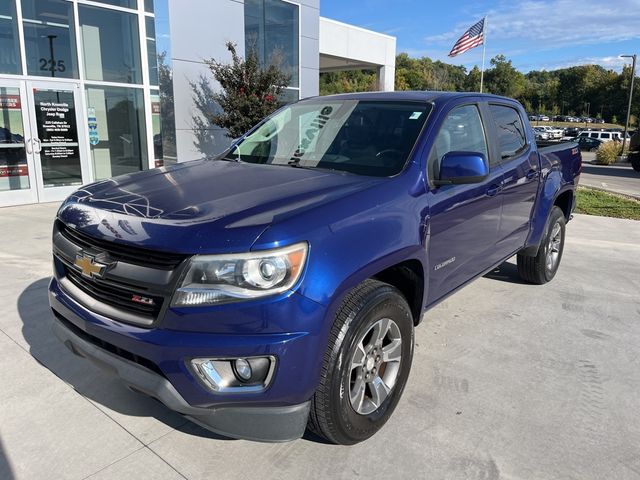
{"x":531,"y":174}
{"x":28,"y":146}
{"x":38,"y":148}
{"x":493,"y":190}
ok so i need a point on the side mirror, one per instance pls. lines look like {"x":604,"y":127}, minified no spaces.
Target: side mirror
{"x":462,"y":167}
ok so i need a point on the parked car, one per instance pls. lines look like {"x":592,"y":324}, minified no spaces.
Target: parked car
{"x":589,"y":144}
{"x":554,"y":133}
{"x":541,"y":133}
{"x":541,"y":136}
{"x":278,"y":285}
{"x":634,"y":151}
{"x":543,"y":118}
{"x":603,"y":135}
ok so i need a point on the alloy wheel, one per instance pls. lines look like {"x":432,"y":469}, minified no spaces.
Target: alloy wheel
{"x":375,"y":365}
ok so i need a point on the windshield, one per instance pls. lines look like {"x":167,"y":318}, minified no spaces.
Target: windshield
{"x":363,"y":137}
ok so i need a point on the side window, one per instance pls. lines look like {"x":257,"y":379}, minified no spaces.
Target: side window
{"x":605,"y":135}
{"x":461,"y":131}
{"x":510,"y":130}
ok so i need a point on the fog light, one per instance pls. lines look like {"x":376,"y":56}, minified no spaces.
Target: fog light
{"x":239,"y":375}
{"x":242,"y":369}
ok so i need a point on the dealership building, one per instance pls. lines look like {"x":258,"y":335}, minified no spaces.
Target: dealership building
{"x":91,"y":89}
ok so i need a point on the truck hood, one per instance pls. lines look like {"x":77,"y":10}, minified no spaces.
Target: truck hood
{"x":203,"y":206}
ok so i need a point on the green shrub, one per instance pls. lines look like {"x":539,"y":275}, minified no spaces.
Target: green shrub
{"x":608,"y":152}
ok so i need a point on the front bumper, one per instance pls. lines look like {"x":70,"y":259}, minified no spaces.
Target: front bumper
{"x":154,"y":362}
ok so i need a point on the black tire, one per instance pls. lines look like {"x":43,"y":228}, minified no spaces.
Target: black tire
{"x":332,"y":414}
{"x":634,"y":158}
{"x":537,"y":269}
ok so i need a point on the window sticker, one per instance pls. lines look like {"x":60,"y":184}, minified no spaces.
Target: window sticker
{"x":415,"y":115}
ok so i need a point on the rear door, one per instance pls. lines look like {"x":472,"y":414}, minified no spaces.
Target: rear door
{"x":521,"y":166}
{"x":464,"y":219}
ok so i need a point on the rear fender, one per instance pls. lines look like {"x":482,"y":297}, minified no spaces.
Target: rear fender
{"x":550,"y":191}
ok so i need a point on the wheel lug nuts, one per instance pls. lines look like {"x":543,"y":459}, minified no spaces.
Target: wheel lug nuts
{"x":378,"y":358}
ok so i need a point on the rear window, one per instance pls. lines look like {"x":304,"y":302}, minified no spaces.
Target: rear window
{"x":511,"y":136}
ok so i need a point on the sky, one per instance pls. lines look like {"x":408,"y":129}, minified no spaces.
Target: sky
{"x":535,"y":35}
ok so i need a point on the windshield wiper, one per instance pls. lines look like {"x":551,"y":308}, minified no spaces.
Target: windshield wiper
{"x":227,"y":158}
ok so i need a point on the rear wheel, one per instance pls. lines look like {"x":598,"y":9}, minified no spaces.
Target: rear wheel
{"x":543,"y":267}
{"x":366,"y":364}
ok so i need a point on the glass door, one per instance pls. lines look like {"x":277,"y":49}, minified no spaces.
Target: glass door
{"x":17,"y":172}
{"x":55,"y":120}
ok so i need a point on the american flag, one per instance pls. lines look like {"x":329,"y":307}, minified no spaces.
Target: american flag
{"x":471,"y":39}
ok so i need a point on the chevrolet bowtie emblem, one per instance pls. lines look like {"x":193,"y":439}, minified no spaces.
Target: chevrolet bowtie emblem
{"x":89,"y":267}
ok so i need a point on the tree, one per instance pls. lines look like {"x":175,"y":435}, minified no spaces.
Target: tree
{"x":167,"y":109}
{"x":504,"y":79}
{"x":566,"y":91}
{"x":349,"y":81}
{"x":249,"y":92}
{"x":472,"y":82}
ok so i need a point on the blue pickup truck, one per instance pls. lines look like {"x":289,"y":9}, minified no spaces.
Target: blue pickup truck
{"x":277,"y":286}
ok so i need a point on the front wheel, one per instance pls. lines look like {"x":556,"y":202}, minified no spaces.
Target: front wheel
{"x":366,"y":364}
{"x":543,"y":267}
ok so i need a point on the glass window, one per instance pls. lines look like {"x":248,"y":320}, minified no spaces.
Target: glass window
{"x":110,"y":45}
{"x":119,"y":140}
{"x":272,"y":31}
{"x":50,"y":40}
{"x":152,"y":51}
{"x":14,"y":173}
{"x":605,"y":135}
{"x":289,"y":95}
{"x":148,"y":6}
{"x":461,"y":131}
{"x":164,"y":124}
{"x":9,"y":49}
{"x":361,"y":137}
{"x":120,"y":3}
{"x":510,"y":129}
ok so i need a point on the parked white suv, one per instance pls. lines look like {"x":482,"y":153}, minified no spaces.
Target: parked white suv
{"x":602,"y":135}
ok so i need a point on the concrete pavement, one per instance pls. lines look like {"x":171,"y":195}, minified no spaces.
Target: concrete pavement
{"x":618,"y":178}
{"x":509,"y":381}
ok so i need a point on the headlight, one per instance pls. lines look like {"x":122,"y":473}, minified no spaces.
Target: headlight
{"x":216,"y":279}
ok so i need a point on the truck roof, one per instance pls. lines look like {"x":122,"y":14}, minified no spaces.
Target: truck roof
{"x":411,"y":95}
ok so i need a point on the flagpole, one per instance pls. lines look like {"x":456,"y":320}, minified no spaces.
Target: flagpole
{"x":484,"y":48}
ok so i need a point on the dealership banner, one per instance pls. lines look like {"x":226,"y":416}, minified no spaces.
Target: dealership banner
{"x":14,"y":171}
{"x":10,"y":102}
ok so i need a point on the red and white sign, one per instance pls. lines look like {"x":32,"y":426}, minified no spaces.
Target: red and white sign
{"x":14,"y":171}
{"x":10,"y":102}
